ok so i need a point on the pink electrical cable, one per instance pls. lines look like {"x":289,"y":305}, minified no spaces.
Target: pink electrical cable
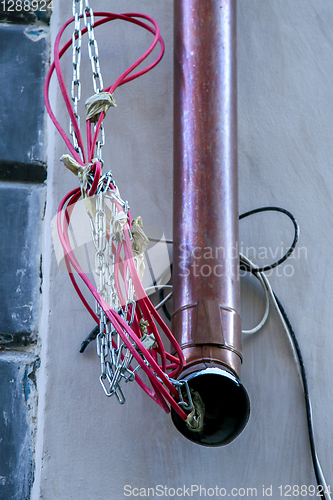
{"x":63,"y":233}
{"x":124,"y":78}
{"x":162,"y":391}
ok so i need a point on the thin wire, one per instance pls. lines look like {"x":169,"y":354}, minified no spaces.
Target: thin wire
{"x":293,"y":245}
{"x":155,"y":287}
{"x":124,"y":78}
{"x":168,"y":242}
{"x":163,"y":302}
{"x":258,"y":272}
{"x":251,"y":267}
{"x":321,"y":482}
{"x":160,"y":304}
{"x":162,"y":390}
{"x":266,"y":312}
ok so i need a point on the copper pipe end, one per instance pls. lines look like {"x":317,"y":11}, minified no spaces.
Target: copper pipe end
{"x":226,"y":405}
{"x":206,"y":297}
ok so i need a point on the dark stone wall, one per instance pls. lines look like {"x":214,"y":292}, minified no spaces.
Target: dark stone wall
{"x":20,"y":265}
{"x":17,"y":391}
{"x":11,"y":11}
{"x":23,"y":58}
{"x":22,"y":72}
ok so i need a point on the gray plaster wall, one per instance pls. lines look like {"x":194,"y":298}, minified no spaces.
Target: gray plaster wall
{"x":89,"y":447}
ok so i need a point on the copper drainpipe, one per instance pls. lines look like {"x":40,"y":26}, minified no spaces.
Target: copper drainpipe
{"x":206,"y":319}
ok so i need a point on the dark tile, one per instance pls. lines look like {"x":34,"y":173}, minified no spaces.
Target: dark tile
{"x":22,"y":172}
{"x":20,"y":264}
{"x":17,"y":411}
{"x":18,"y":12}
{"x":22,"y":75}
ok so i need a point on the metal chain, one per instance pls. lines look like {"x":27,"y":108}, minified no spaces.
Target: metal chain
{"x":76,"y":59}
{"x":115,"y":358}
{"x":88,"y":17}
{"x":100,"y":243}
{"x":89,"y":20}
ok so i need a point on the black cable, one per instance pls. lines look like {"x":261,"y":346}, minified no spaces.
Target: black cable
{"x":293,"y":245}
{"x":315,"y":463}
{"x":295,"y":343}
{"x":161,"y":294}
{"x":92,"y":336}
{"x":244,"y":266}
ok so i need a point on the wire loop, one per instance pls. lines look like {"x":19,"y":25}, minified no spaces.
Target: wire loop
{"x":128,"y":333}
{"x":257,"y":269}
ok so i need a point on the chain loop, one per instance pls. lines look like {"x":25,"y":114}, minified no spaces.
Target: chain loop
{"x":76,"y":60}
{"x":88,"y":18}
{"x":121,"y":354}
{"x":115,"y":358}
{"x":97,"y":79}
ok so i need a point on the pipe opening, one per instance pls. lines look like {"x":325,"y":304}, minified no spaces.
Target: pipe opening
{"x":227,"y":407}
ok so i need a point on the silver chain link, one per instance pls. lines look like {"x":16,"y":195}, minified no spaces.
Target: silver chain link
{"x":116,"y":361}
{"x":88,"y":17}
{"x":89,"y":21}
{"x":76,"y":59}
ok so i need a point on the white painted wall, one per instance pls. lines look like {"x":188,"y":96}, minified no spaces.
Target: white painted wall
{"x":89,"y":447}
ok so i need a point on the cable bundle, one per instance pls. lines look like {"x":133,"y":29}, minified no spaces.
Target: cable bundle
{"x":129,"y":328}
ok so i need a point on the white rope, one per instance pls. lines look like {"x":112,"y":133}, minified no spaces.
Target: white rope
{"x":140,"y":240}
{"x":71,"y":164}
{"x":195,"y":419}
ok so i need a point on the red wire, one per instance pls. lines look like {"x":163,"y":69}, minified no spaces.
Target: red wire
{"x":120,"y":81}
{"x":97,"y":168}
{"x":119,"y":324}
{"x":162,"y":391}
{"x":122,"y":328}
{"x":157,"y":397}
